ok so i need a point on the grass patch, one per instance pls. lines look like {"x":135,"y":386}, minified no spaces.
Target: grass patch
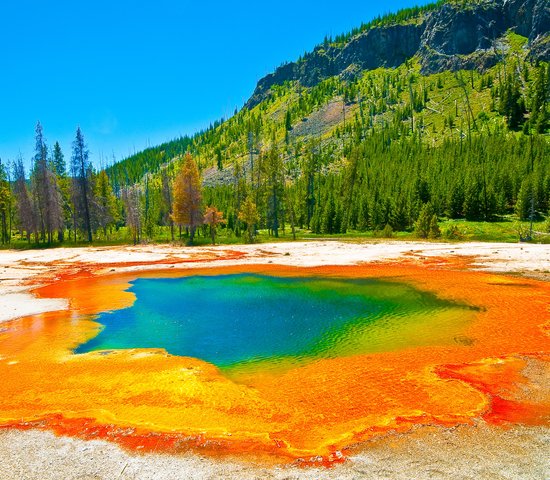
{"x":505,"y":230}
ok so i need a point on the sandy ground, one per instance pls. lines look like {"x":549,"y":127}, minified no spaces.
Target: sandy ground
{"x":474,"y":453}
{"x":478,"y":452}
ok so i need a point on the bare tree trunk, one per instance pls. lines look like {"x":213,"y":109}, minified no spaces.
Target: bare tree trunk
{"x":292,"y":222}
{"x":74,"y":225}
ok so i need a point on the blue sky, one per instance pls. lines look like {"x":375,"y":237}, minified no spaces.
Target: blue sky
{"x":135,"y":73}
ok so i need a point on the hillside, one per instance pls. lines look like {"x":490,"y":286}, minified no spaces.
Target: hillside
{"x":452,"y":35}
{"x":445,"y":104}
{"x":442,"y":36}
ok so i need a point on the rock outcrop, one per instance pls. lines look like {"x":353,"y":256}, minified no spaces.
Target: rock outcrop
{"x":450,"y":37}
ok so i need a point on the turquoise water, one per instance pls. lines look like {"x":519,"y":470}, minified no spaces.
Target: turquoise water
{"x":234,"y":319}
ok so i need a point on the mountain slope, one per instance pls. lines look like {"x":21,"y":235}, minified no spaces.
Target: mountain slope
{"x":369,"y":147}
{"x":445,"y":36}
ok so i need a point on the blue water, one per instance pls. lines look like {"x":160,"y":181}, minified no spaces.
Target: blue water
{"x":228,"y":319}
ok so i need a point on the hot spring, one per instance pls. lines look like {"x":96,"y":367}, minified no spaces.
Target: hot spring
{"x":246,"y":319}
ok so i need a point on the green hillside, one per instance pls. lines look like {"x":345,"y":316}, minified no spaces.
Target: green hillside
{"x":360,"y":154}
{"x":428,"y":122}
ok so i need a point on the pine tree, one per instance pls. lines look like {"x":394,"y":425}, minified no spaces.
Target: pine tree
{"x":26,"y":215}
{"x":131,"y":201}
{"x":526,"y":199}
{"x":167,"y":201}
{"x":106,"y":203}
{"x":46,"y":194}
{"x":310,"y":169}
{"x":39,"y":179}
{"x":511,"y":102}
{"x":64,"y":187}
{"x":455,"y":200}
{"x":5,"y":205}
{"x":219,"y":159}
{"x":60,"y":167}
{"x":274,"y":182}
{"x":540,"y":116}
{"x":187,"y":197}
{"x":82,"y":189}
{"x":329,"y":217}
{"x":363,"y":216}
{"x":434,"y":231}
{"x":426,"y":224}
{"x":150,"y":206}
{"x":288,"y":121}
{"x":473,"y":200}
{"x":249,"y":215}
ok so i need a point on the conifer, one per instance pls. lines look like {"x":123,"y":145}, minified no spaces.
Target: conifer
{"x":186,"y":209}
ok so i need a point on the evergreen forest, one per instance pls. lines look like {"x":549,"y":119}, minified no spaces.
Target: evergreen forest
{"x":387,"y":152}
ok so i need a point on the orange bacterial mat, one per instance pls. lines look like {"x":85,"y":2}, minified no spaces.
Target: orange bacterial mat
{"x":148,"y":400}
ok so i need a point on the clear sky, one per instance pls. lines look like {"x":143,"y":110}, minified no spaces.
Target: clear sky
{"x":136,"y":73}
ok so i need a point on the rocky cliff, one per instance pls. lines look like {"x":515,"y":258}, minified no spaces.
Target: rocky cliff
{"x":452,"y":36}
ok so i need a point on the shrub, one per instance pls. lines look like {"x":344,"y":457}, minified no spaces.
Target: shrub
{"x":452,"y":232}
{"x":387,"y":232}
{"x":426,"y":225}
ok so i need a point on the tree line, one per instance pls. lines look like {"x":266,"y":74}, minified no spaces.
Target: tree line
{"x":406,"y":149}
{"x":380,"y":184}
{"x":56,"y":201}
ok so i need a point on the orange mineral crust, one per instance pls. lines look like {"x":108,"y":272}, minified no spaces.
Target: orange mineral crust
{"x":496,"y":370}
